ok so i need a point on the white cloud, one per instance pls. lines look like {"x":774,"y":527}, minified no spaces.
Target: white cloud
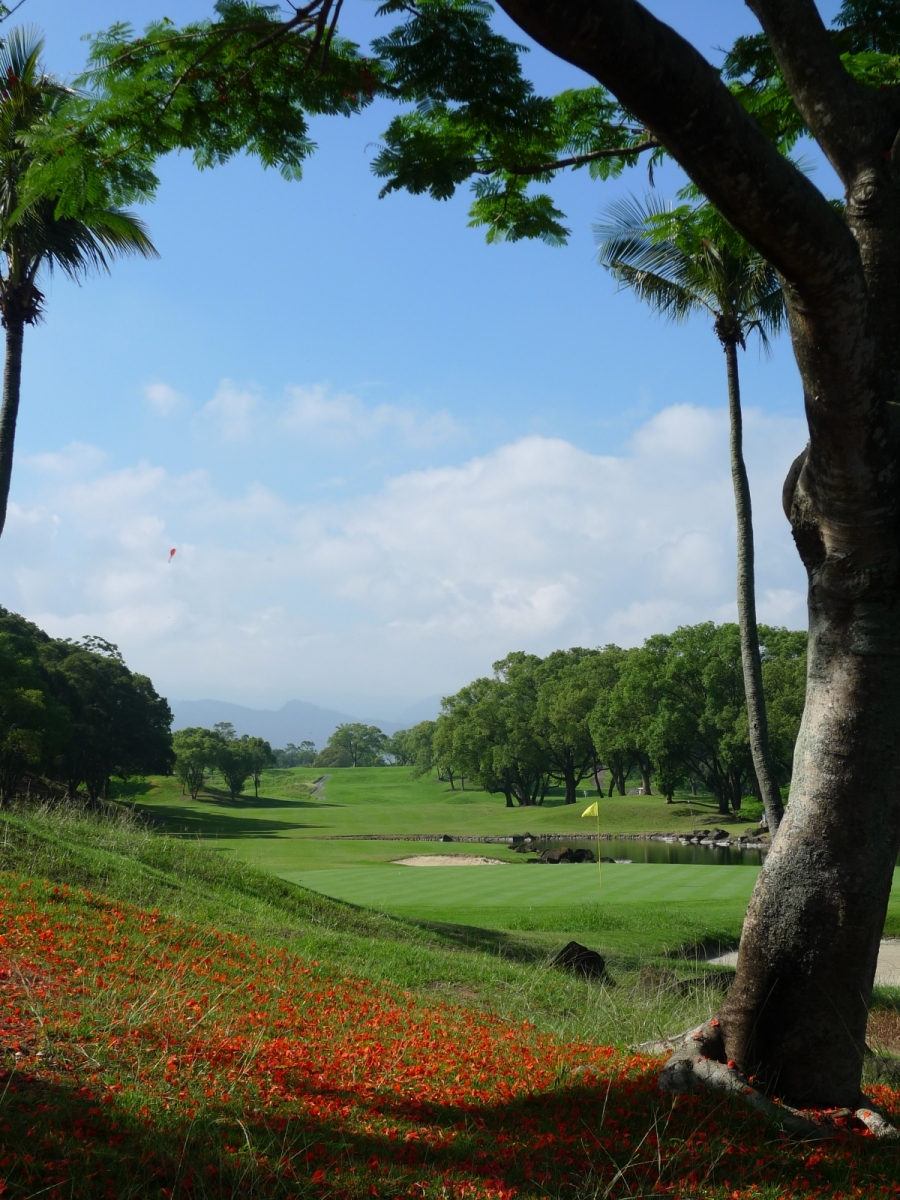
{"x":314,"y":409}
{"x":162,"y":397}
{"x":418,"y":587}
{"x":73,"y":460}
{"x":234,"y":409}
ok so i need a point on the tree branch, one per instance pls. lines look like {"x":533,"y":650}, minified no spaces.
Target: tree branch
{"x":559,"y":164}
{"x":678,"y":96}
{"x":845,"y":117}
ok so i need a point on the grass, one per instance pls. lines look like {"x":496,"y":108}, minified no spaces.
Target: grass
{"x":177,"y":1023}
{"x":294,"y":832}
{"x":288,"y":829}
{"x":506,"y":971}
{"x":638,"y":912}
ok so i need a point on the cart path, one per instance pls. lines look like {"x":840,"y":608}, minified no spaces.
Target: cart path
{"x":887,"y":972}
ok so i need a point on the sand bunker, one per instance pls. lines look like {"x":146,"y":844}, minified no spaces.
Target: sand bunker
{"x":449,"y":860}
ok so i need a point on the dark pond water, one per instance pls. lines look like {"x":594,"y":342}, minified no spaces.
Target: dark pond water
{"x":663,"y":852}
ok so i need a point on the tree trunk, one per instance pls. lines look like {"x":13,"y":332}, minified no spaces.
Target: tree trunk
{"x":9,"y":411}
{"x":795,"y":1017}
{"x":693,"y":783}
{"x":569,"y":777}
{"x":644,"y":768}
{"x":760,"y":749}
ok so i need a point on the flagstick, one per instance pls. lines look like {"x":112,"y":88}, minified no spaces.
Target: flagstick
{"x":595,"y":809}
{"x":599,"y":863}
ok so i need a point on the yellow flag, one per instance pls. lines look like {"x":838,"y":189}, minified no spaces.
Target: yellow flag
{"x":592,"y":811}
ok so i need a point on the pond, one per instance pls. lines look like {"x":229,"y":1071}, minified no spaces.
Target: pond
{"x":661,"y":852}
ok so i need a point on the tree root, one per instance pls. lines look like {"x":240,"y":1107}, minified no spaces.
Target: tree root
{"x":697,"y":1063}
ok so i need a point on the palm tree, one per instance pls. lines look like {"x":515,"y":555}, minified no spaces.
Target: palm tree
{"x":686,"y":260}
{"x":34,"y":235}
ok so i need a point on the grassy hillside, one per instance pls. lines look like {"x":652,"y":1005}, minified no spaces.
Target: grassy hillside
{"x":131,"y":863}
{"x":175,"y":1023}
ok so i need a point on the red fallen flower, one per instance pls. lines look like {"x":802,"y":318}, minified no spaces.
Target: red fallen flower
{"x":278,"y":1039}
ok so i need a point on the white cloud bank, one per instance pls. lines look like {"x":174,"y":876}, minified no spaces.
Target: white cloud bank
{"x":414,"y":589}
{"x":313,"y":412}
{"x":316,"y":410}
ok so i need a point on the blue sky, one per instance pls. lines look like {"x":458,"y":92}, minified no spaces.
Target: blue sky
{"x":387,"y":453}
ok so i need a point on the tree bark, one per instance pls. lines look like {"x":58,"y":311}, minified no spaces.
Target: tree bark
{"x":760,"y":749}
{"x":569,"y":777}
{"x":795,"y":1017}
{"x":645,"y":769}
{"x":9,"y":411}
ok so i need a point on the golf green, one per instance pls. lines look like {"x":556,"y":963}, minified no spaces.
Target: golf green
{"x":398,"y":888}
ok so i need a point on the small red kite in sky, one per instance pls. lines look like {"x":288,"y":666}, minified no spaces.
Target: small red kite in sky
{"x":171,"y":554}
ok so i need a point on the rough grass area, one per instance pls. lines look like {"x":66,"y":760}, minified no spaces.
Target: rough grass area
{"x":177,"y":1025}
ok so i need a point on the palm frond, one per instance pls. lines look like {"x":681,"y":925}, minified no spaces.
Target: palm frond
{"x":688,"y":259}
{"x":34,"y":233}
{"x":669,"y":298}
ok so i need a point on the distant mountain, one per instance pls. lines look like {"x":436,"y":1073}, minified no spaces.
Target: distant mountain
{"x":297,"y":721}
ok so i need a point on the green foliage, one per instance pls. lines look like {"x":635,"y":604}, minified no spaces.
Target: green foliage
{"x":198,"y":751}
{"x":233,"y":758}
{"x":866,"y":33}
{"x":119,"y":725}
{"x":25,"y":731}
{"x":681,"y":699}
{"x":333,"y":756}
{"x":259,"y":756}
{"x":569,"y":683}
{"x":38,"y":229}
{"x":303,"y":755}
{"x":474,"y":115}
{"x":360,"y":745}
{"x":244,"y":81}
{"x":195,"y":751}
{"x":674,"y":708}
{"x":74,"y":712}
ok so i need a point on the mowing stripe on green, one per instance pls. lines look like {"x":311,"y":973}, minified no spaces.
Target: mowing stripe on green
{"x":505,"y":887}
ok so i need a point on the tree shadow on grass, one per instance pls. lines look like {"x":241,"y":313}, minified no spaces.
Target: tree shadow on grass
{"x":224,"y":799}
{"x":129,"y":788}
{"x":181,"y":822}
{"x":581,"y":1136}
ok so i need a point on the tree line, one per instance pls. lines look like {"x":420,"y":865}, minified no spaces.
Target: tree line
{"x":198,"y":752}
{"x":73,"y":713}
{"x":674,"y":710}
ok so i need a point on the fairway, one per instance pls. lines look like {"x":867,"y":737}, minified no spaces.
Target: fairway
{"x":403,"y":889}
{"x":289,"y":829}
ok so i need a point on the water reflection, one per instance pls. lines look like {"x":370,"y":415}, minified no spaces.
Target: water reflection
{"x":662,"y":852}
